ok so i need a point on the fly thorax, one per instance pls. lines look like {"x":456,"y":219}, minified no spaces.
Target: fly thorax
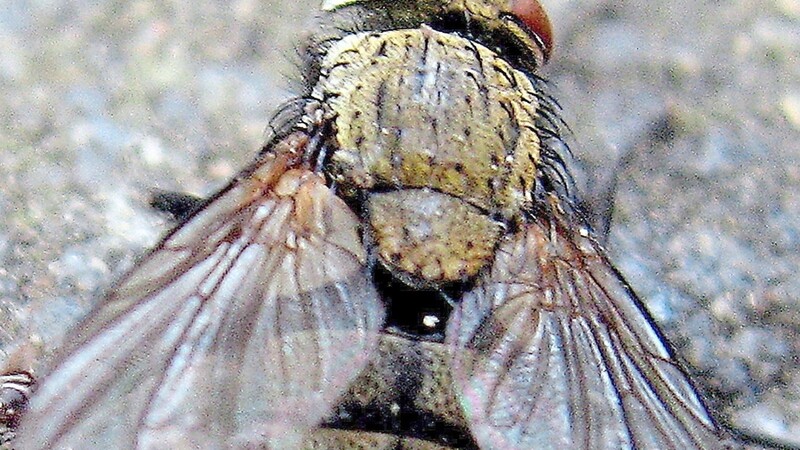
{"x":419,"y":108}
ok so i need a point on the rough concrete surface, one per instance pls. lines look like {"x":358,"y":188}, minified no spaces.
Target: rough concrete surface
{"x":101,"y":101}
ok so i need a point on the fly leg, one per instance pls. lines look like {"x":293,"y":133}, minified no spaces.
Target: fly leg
{"x":598,"y":203}
{"x":178,"y":205}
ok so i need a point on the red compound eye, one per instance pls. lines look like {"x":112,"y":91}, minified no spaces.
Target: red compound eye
{"x":532,"y":15}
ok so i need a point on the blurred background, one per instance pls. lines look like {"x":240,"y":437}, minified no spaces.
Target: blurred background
{"x":694,"y":107}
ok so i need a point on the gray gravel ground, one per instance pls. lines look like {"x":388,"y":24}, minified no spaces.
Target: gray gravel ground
{"x":100,"y":102}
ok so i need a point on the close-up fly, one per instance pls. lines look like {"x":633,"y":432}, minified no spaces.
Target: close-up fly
{"x":407,"y":263}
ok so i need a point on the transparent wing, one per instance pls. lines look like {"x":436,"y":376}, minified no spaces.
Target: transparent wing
{"x":554,"y":351}
{"x":240,"y":329}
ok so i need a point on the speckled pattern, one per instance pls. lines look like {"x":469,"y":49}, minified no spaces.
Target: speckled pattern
{"x":98,"y":105}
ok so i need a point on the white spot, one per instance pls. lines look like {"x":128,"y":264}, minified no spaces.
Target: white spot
{"x":152,"y":151}
{"x":790,"y":105}
{"x":430,"y":321}
{"x":262,"y":212}
{"x":291,"y":240}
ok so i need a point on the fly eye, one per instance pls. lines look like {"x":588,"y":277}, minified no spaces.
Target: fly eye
{"x":531,"y":14}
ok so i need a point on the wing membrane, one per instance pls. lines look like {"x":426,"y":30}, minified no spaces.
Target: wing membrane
{"x":553,"y":350}
{"x":242,"y":328}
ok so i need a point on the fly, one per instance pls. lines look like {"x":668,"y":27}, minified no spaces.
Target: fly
{"x":422,"y":166}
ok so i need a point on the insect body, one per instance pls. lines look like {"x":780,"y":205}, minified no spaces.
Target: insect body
{"x":424,"y":148}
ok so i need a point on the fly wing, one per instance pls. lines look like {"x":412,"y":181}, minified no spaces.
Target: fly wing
{"x":553,"y":350}
{"x":242,"y":328}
